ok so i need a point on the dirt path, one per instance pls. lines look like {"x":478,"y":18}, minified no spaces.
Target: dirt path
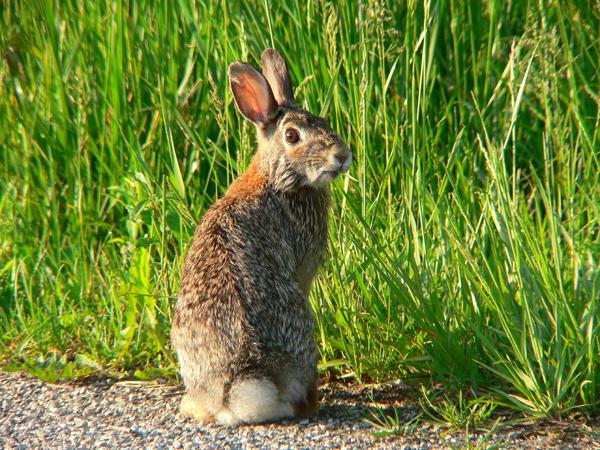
{"x":106,"y":414}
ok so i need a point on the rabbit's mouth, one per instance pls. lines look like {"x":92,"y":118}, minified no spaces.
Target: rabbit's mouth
{"x":330,"y":173}
{"x":327,"y":175}
{"x":337,"y":164}
{"x":347,"y":162}
{"x":322,"y":178}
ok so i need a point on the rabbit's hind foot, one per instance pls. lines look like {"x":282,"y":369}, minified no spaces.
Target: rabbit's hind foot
{"x":308,"y":407}
{"x":194,"y":408}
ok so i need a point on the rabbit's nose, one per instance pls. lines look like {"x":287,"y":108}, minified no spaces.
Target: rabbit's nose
{"x":341,"y":158}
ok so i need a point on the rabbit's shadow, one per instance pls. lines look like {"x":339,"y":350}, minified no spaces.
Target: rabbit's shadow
{"x":352,"y":404}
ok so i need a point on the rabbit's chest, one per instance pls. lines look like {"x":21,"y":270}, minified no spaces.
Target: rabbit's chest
{"x":308,"y":235}
{"x":312,"y":248}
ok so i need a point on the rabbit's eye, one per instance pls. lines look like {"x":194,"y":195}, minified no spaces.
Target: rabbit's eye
{"x":292,"y":136}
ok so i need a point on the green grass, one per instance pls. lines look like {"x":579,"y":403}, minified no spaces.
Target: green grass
{"x":466,"y":238}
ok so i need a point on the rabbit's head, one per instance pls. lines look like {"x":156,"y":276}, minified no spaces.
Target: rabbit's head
{"x":295,"y":147}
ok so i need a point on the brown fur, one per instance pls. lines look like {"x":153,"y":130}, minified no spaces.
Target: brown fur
{"x":249,"y":184}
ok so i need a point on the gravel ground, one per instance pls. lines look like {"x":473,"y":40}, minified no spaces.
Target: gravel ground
{"x":109,"y":414}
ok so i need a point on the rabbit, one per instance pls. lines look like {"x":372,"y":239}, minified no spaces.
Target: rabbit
{"x":243,"y":326}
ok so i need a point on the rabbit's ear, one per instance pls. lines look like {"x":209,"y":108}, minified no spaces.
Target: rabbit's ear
{"x":252,"y":93}
{"x":276,"y":72}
